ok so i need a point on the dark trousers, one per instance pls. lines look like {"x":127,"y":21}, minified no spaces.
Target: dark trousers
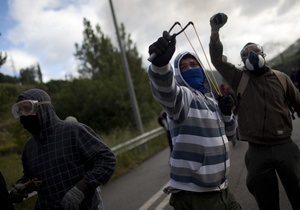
{"x":222,"y":200}
{"x":263,"y":162}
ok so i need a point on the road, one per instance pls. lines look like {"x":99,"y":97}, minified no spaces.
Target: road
{"x":141,"y":189}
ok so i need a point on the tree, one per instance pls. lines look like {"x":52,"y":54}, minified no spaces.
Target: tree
{"x":28,"y":75}
{"x":105,"y":95}
{"x":31,"y":75}
{"x":39,"y":73}
{"x":96,"y":54}
{"x":148,"y":107}
{"x":8,"y":79}
{"x":3,"y":57}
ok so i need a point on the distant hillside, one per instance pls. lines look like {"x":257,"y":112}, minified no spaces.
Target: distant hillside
{"x":289,"y":59}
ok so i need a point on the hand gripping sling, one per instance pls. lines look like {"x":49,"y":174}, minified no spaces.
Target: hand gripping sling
{"x":212,"y":82}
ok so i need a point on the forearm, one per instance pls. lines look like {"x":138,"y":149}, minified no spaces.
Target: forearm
{"x":163,"y":86}
{"x":227,"y":70}
{"x":216,"y":50}
{"x":103,"y":168}
{"x":214,"y":36}
{"x":230,"y":127}
{"x":98,"y":160}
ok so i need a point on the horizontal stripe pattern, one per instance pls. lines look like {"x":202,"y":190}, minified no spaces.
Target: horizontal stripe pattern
{"x":200,"y":157}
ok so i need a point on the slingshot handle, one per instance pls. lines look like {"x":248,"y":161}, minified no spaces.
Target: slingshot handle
{"x":152,"y":57}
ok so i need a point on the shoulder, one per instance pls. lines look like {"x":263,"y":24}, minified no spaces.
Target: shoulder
{"x":73,"y":127}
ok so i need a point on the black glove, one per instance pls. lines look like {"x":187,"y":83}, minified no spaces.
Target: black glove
{"x":227,"y":103}
{"x":20,"y":191}
{"x":72,"y":199}
{"x":217,"y":21}
{"x":164,"y":49}
{"x":16,"y":196}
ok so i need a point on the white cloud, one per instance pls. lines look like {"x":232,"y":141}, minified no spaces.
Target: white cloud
{"x":16,"y":60}
{"x":47,"y":30}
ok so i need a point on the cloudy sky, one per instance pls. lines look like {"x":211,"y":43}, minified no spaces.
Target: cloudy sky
{"x":45,"y":31}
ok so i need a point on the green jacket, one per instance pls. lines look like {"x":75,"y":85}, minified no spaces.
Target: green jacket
{"x":264,"y":116}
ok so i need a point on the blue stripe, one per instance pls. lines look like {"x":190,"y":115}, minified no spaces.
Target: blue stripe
{"x":188,"y":179}
{"x":198,"y":131}
{"x":196,"y":157}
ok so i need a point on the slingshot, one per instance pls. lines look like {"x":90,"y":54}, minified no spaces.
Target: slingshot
{"x":214,"y":81}
{"x":153,"y":55}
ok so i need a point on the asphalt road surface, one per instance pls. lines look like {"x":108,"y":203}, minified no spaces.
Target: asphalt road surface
{"x":141,"y":189}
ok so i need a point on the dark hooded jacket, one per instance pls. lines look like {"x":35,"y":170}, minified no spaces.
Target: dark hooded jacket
{"x":64,"y":155}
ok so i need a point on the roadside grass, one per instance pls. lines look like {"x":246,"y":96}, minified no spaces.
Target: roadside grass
{"x":11,"y":166}
{"x":122,"y":135}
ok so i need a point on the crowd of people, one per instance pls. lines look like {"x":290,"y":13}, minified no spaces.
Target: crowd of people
{"x":66,"y":162}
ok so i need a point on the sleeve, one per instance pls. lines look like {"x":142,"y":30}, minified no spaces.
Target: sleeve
{"x":293,"y":95}
{"x":100,"y":161}
{"x":228,"y":71}
{"x":26,"y":172}
{"x":172,"y":97}
{"x":230,"y":127}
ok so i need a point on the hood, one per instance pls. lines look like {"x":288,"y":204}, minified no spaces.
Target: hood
{"x":46,"y":113}
{"x":178,"y":76}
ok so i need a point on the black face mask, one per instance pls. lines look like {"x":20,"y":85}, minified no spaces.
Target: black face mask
{"x":31,"y":123}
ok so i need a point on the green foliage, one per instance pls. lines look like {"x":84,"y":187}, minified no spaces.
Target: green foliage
{"x":12,"y":133}
{"x":97,"y":56}
{"x":31,"y":75}
{"x":7,"y":95}
{"x":27,"y":76}
{"x":104,"y":93}
{"x":8,"y":79}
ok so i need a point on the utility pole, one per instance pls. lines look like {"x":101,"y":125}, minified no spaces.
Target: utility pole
{"x":128,"y":76}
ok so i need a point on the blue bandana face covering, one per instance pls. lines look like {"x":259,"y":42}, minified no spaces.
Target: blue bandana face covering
{"x":194,"y":77}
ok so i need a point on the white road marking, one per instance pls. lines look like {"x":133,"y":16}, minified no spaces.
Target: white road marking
{"x":153,"y":198}
{"x":164,"y":203}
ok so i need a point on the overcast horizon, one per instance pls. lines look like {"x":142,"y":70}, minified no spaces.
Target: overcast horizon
{"x":46,"y":32}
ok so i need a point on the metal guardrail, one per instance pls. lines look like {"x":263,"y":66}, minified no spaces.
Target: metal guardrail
{"x":128,"y":145}
{"x":142,"y":139}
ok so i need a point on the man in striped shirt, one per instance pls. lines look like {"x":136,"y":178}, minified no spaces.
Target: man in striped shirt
{"x":199,"y":162}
